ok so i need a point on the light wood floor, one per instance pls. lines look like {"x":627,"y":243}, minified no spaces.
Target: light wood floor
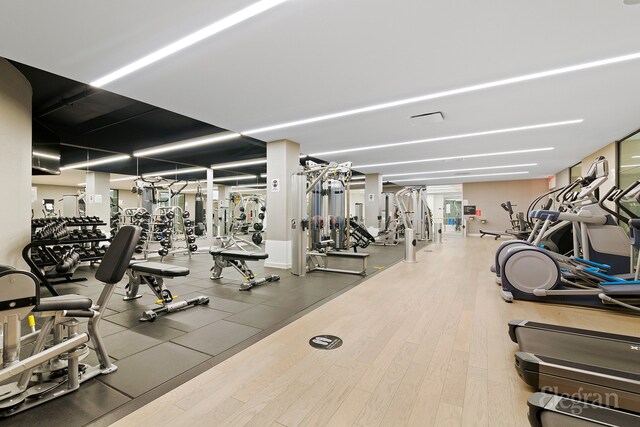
{"x":424,"y":344}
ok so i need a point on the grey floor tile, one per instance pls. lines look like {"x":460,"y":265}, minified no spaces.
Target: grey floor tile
{"x":157,"y":331}
{"x":146,"y":370}
{"x":106,"y":328}
{"x":128,"y":319}
{"x":216,"y":337}
{"x":228,"y":305}
{"x":91,"y":401}
{"x":126,"y":343}
{"x":233,"y":293}
{"x":262,"y":316}
{"x":191,"y":318}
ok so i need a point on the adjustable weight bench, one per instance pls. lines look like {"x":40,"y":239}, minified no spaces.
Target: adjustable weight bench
{"x":153,"y":274}
{"x":223,"y":258}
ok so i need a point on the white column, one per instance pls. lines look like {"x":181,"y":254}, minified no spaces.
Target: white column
{"x":15,"y":164}
{"x":372,"y":200}
{"x":283,"y":158}
{"x":97,"y":196}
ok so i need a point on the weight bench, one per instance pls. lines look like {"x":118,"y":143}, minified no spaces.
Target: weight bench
{"x":223,"y":258}
{"x":153,"y":274}
{"x":314,"y":261}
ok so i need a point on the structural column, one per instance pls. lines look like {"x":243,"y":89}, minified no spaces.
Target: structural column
{"x":97,"y":196}
{"x":209,"y":209}
{"x":372,"y":200}
{"x":283,"y":159}
{"x":223,"y":209}
{"x":15,"y":163}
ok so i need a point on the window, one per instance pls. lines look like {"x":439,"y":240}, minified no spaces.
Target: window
{"x":629,"y":167}
{"x":113,"y":196}
{"x":575,"y":172}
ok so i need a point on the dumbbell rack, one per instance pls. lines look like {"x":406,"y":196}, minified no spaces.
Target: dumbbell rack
{"x":48,"y":276}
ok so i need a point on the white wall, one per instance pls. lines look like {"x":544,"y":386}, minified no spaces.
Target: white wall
{"x":15,"y":164}
{"x":487,"y":197}
{"x":54,"y":192}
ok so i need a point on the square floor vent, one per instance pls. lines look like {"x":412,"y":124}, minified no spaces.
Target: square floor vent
{"x":433,"y":117}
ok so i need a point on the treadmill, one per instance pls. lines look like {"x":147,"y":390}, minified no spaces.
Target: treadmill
{"x":596,"y":367}
{"x":548,"y":410}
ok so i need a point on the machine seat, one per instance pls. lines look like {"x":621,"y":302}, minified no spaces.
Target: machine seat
{"x":249,"y":256}
{"x":347,"y":254}
{"x":64,"y":302}
{"x":159,"y":269}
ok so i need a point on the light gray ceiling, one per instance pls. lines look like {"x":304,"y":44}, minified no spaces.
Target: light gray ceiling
{"x":312,"y":57}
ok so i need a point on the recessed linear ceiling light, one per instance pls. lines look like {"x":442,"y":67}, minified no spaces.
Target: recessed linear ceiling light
{"x":451,"y":92}
{"x":462,"y":170}
{"x":174,"y":172}
{"x":249,"y":185}
{"x":447,"y":138}
{"x":191,"y":39}
{"x":460,"y":176}
{"x":466,"y":156}
{"x":45,"y":155}
{"x":188,"y":143}
{"x":82,"y":184}
{"x":234,"y":178}
{"x":239,"y":164}
{"x":263,"y":175}
{"x":101,"y":161}
{"x":357,"y":178}
{"x":630,"y":166}
{"x":126,"y":178}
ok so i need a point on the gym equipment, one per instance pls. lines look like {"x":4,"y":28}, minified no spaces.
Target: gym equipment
{"x":316,"y":237}
{"x":578,"y":362}
{"x":53,"y":369}
{"x":153,"y":275}
{"x":223,"y":258}
{"x":520,"y":229}
{"x":548,"y":410}
{"x":531,"y":273}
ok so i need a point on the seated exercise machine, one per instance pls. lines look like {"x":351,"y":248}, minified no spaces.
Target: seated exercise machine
{"x":223,"y":258}
{"x":519,"y":227}
{"x":53,"y":368}
{"x":153,"y":274}
{"x":597,"y":370}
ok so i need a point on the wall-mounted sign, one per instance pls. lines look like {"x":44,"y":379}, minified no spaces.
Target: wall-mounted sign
{"x":469,"y":210}
{"x":275,"y":185}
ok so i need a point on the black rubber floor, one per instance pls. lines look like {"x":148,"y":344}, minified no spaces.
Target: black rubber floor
{"x":153,"y":358}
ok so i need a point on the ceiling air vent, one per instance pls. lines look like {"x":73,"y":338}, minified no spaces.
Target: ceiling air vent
{"x":433,"y":117}
{"x":631,"y":2}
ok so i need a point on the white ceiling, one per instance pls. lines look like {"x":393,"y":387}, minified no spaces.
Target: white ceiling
{"x":312,"y":57}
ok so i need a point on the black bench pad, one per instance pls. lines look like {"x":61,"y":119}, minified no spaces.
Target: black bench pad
{"x":64,"y":302}
{"x":159,"y":269}
{"x":348,"y":254}
{"x":227,"y":254}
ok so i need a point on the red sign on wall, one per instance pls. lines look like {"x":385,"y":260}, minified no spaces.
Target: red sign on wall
{"x":478,"y":212}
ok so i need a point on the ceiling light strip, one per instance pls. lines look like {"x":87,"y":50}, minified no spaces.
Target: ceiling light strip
{"x":102,"y":161}
{"x":234,"y":178}
{"x":232,"y":165}
{"x":191,"y":39}
{"x":466,"y":156}
{"x":188,"y":143}
{"x":460,"y":176}
{"x":459,"y":136}
{"x":45,"y":155}
{"x":524,"y":165}
{"x":174,"y":172}
{"x":452,"y":92}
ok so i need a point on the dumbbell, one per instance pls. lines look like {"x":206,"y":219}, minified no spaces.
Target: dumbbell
{"x":163,"y":252}
{"x":188,"y":231}
{"x":168,"y":223}
{"x":261,"y":216}
{"x":139,"y":249}
{"x":263,"y":208}
{"x":186,"y":215}
{"x":256,"y":238}
{"x":241,"y":208}
{"x":188,"y":223}
{"x":165,"y":243}
{"x":193,"y":247}
{"x":170,"y":215}
{"x":257,"y":226}
{"x":191,"y":239}
{"x":242,"y":216}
